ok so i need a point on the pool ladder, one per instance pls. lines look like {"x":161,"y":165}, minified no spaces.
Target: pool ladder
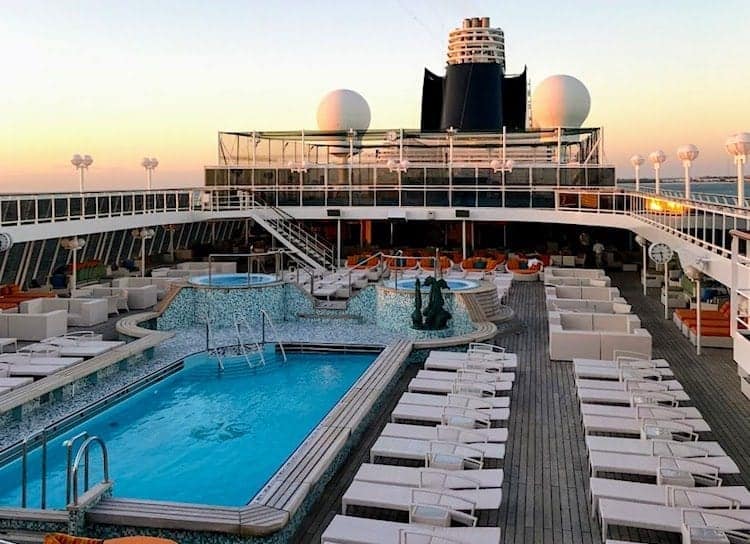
{"x":213,"y":352}
{"x":263,"y":318}
{"x":238,"y":322}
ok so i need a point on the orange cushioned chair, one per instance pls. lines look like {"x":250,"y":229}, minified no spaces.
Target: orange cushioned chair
{"x":61,"y":538}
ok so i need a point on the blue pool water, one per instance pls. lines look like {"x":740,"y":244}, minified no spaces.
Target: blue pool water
{"x":233,"y":280}
{"x":453,"y":284}
{"x":199,"y":436}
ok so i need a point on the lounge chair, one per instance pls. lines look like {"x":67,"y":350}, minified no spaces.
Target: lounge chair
{"x":609,"y":396}
{"x":413,"y":476}
{"x":471,"y":362}
{"x":398,"y":497}
{"x":666,"y":518}
{"x":621,"y":373}
{"x":452,"y":413}
{"x":706,"y":526}
{"x":467,"y":374}
{"x":612,"y":385}
{"x":73,"y":347}
{"x":353,"y":530}
{"x":636,"y":412}
{"x":473,"y":402}
{"x":426,"y":450}
{"x":711,"y":497}
{"x":621,"y":425}
{"x":7,"y":383}
{"x":637,"y":446}
{"x":646,"y":465}
{"x":419,"y":385}
{"x":623,"y":361}
{"x":425,"y":432}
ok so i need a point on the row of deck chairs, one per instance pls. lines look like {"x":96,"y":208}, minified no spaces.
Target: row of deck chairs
{"x":639,"y":427}
{"x":445,"y":436}
{"x":51,"y":355}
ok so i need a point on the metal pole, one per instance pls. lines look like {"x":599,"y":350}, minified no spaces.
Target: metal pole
{"x":338,"y":242}
{"x":656,"y":178}
{"x":143,"y":256}
{"x":463,"y":238}
{"x":740,"y":181}
{"x":643,"y":270}
{"x":80,"y":170}
{"x":686,"y":164}
{"x":44,"y":470}
{"x":698,"y":315}
{"x":666,"y":290}
{"x":637,"y":177}
{"x":73,"y":279}
{"x":24,"y":476}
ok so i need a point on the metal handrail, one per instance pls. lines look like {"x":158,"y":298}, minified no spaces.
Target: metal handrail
{"x":83,"y":453}
{"x":69,"y":445}
{"x":24,"y":467}
{"x":264,"y":317}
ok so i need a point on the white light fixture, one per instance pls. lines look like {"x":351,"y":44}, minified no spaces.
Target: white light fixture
{"x":687,"y":154}
{"x":401,"y":165}
{"x":149,"y":165}
{"x":499,"y":166}
{"x":637,"y":161}
{"x":82,"y":164}
{"x":738,"y":146}
{"x":143,"y":235}
{"x":73,"y":244}
{"x":298,"y":167}
{"x":640,"y":240}
{"x":657,"y":158}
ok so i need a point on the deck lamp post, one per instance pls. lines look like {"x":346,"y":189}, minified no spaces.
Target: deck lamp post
{"x":641,"y":241}
{"x":637,"y":161}
{"x":149,"y":165}
{"x":738,"y":145}
{"x":73,"y":244}
{"x":687,"y":154}
{"x":143,"y":235}
{"x":695,"y":273}
{"x":82,"y":164}
{"x":657,"y":158}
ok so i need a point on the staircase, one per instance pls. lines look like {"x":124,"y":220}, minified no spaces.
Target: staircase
{"x":315,"y":251}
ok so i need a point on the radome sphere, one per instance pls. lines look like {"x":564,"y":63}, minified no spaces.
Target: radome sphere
{"x":560,"y":101}
{"x":343,"y":109}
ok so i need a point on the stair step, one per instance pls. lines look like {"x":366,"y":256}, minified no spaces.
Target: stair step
{"x":315,"y":315}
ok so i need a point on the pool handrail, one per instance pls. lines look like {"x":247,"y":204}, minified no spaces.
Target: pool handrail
{"x":83,"y":451}
{"x":24,"y":466}
{"x":263,"y":318}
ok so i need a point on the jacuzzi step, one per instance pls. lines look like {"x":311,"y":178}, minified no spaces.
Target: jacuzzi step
{"x":340,"y":315}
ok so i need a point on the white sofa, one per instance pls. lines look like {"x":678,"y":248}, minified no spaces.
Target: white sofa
{"x":578,"y":282}
{"x":557,"y":272}
{"x":595,"y":336}
{"x":216,"y":267}
{"x":82,"y":312}
{"x":618,"y":306}
{"x":162,"y":284}
{"x":33,"y":327}
{"x":117,"y":299}
{"x":583,"y":293}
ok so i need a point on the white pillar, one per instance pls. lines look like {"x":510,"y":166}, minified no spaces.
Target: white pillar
{"x":463,"y":239}
{"x":338,"y":242}
{"x":143,"y":257}
{"x":666,"y":290}
{"x":698,"y":315}
{"x":740,"y":160}
{"x":80,"y":182}
{"x":637,"y":177}
{"x":73,"y":279}
{"x":148,"y":179}
{"x":657,"y":184}
{"x":643,"y":270}
{"x":686,"y":165}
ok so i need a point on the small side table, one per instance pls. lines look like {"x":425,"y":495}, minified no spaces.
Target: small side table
{"x":7,"y":342}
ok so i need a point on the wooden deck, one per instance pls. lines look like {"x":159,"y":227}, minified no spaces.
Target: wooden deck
{"x":546,"y":471}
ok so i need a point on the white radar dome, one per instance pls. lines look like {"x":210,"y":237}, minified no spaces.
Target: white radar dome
{"x":560,"y":101}
{"x":343,"y":109}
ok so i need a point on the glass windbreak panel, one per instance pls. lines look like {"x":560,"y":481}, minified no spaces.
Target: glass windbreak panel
{"x":517,"y":199}
{"x":486,"y":176}
{"x":215,"y":176}
{"x":314,"y":177}
{"x":592,"y":177}
{"x":240,"y":177}
{"x":45,"y":209}
{"x":289,"y":197}
{"x":517,"y":176}
{"x":338,"y":198}
{"x":437,"y":177}
{"x":415,"y":176}
{"x":465,"y":198}
{"x":127,"y":203}
{"x":543,"y":199}
{"x":289,"y":179}
{"x":572,"y":177}
{"x":569,"y":200}
{"x":28,"y":214}
{"x":387,"y":198}
{"x":386,"y":178}
{"x":338,"y":176}
{"x":490,"y":199}
{"x":413,"y":198}
{"x":363,"y":176}
{"x":183,"y":201}
{"x":265,"y":177}
{"x":267,"y":197}
{"x":103,"y":205}
{"x":606,"y":177}
{"x":138,"y":203}
{"x":313,"y":198}
{"x":60,"y":207}
{"x":75,"y":206}
{"x":544,"y":176}
{"x":170,"y":201}
{"x":362,"y":197}
{"x":437,"y":197}
{"x":464,"y":176}
{"x":9,"y":211}
{"x":158,"y":200}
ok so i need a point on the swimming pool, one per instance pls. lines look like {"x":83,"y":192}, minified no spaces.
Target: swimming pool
{"x":233,"y":280}
{"x":200,"y":436}
{"x":453,"y":284}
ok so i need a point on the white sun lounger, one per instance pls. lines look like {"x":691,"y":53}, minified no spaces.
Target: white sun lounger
{"x":645,"y":465}
{"x":397,"y":497}
{"x":419,"y":385}
{"x":8,"y":384}
{"x":15,"y":360}
{"x":474,"y":375}
{"x":637,"y":446}
{"x":82,"y":348}
{"x":664,"y":518}
{"x":446,"y":414}
{"x":641,"y":410}
{"x":353,"y":530}
{"x":413,"y":476}
{"x":409,"y":448}
{"x":621,"y":425}
{"x":425,"y":432}
{"x":711,"y":497}
{"x":612,"y":385}
{"x":609,"y":396}
{"x":630,"y":362}
{"x":452,"y":365}
{"x":614,"y":373}
{"x":444,"y":400}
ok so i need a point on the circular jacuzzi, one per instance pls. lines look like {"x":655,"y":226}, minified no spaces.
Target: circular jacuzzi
{"x":228,"y":281}
{"x":454,"y":284}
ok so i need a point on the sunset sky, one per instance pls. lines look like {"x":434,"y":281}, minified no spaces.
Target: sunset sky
{"x":120,"y":80}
